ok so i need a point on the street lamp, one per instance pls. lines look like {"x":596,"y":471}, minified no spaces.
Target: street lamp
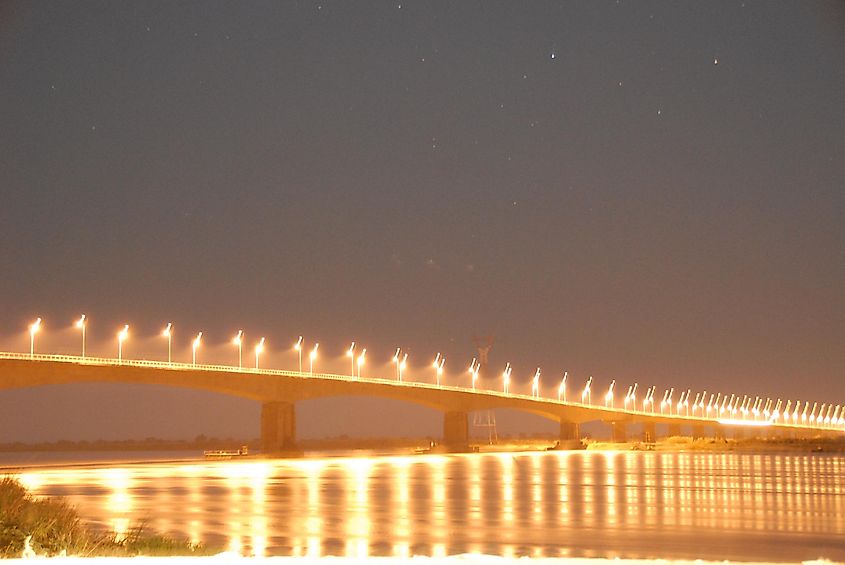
{"x":351,"y":354}
{"x":168,"y":333}
{"x":608,"y":398}
{"x":439,"y":361}
{"x":402,"y":365}
{"x":474,"y":368}
{"x":506,"y":378}
{"x":298,"y":347}
{"x":80,"y":323}
{"x":239,"y":341}
{"x":361,"y":359}
{"x":194,"y":346}
{"x":535,"y":384}
{"x":587,"y":393}
{"x":561,"y":390}
{"x":311,"y":357}
{"x":395,"y":361}
{"x":34,"y":327}
{"x":648,"y":399}
{"x":259,"y":347}
{"x":121,"y":337}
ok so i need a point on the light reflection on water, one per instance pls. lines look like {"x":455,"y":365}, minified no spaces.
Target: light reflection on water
{"x":578,"y":504}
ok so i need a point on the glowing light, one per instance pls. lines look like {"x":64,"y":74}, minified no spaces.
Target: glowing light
{"x":535,"y":384}
{"x":351,"y":354}
{"x":298,"y":347}
{"x":474,"y":368}
{"x":506,"y":377}
{"x":168,"y":333}
{"x":561,"y":390}
{"x":439,"y":361}
{"x":80,"y":323}
{"x":608,"y":398}
{"x":34,"y":328}
{"x":259,"y":348}
{"x":239,"y":341}
{"x":396,"y":362}
{"x":311,"y":357}
{"x":361,"y":360}
{"x":194,"y":346}
{"x":587,"y":393}
{"x":122,"y":336}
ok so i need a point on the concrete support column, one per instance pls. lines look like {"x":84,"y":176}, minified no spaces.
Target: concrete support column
{"x":649,"y":432}
{"x":619,"y":432}
{"x":698,"y":431}
{"x":456,"y":431}
{"x":569,"y":431}
{"x":674,"y":430}
{"x":278,"y":428}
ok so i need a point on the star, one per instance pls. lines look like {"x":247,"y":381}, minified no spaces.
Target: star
{"x":715,"y":61}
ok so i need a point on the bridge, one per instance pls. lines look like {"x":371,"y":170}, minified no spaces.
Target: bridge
{"x":278,"y":392}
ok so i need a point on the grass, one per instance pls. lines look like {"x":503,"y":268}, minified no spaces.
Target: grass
{"x":53,"y":527}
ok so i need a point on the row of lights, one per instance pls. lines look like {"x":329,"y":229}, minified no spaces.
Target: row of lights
{"x":718,"y":406}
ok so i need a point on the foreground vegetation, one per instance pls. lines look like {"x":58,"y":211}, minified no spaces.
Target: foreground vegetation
{"x":50,"y":526}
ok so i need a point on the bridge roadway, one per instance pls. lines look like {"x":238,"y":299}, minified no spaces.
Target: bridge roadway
{"x":278,"y":391}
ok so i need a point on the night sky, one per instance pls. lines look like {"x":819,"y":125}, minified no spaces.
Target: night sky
{"x":639,"y":191}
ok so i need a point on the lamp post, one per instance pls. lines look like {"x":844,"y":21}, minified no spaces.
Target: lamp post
{"x":395,"y":361}
{"x":561,"y":390}
{"x":351,"y":354}
{"x":34,"y":328}
{"x":587,"y":393}
{"x":608,"y":398}
{"x":194,"y":346}
{"x":239,"y":341}
{"x":311,"y":357}
{"x":474,"y":369}
{"x":298,"y":347}
{"x":168,"y":333}
{"x":506,"y":378}
{"x":80,"y":323}
{"x":121,"y":337}
{"x":535,"y":383}
{"x":361,"y":360}
{"x":438,"y":366}
{"x":259,"y":347}
{"x":402,"y":365}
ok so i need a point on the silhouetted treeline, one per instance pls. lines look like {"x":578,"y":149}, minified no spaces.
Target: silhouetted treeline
{"x":200,"y":442}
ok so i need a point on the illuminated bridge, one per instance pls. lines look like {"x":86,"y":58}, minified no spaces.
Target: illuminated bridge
{"x":278,"y":391}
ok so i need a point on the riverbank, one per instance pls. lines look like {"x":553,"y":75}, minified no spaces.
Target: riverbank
{"x":31,"y":526}
{"x":745,"y":445}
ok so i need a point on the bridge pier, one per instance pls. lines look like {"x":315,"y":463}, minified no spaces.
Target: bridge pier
{"x":455,"y":431}
{"x":278,"y":428}
{"x":570,"y":435}
{"x":719,"y":432}
{"x":619,"y":432}
{"x":674,"y":430}
{"x":698,"y":431}
{"x":649,"y":432}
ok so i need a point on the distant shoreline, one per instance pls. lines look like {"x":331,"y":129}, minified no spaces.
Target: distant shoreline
{"x":422,"y":445}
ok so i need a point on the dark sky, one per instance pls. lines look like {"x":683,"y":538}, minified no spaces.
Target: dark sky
{"x":644,"y":191}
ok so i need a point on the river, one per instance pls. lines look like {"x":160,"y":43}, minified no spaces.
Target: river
{"x":643,"y":505}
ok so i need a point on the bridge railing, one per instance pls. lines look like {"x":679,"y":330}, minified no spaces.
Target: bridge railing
{"x":173,"y":365}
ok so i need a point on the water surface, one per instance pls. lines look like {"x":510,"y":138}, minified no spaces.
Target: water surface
{"x":556,"y":504}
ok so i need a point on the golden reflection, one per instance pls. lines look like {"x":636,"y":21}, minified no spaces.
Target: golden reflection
{"x":527,"y":504}
{"x":119,"y":503}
